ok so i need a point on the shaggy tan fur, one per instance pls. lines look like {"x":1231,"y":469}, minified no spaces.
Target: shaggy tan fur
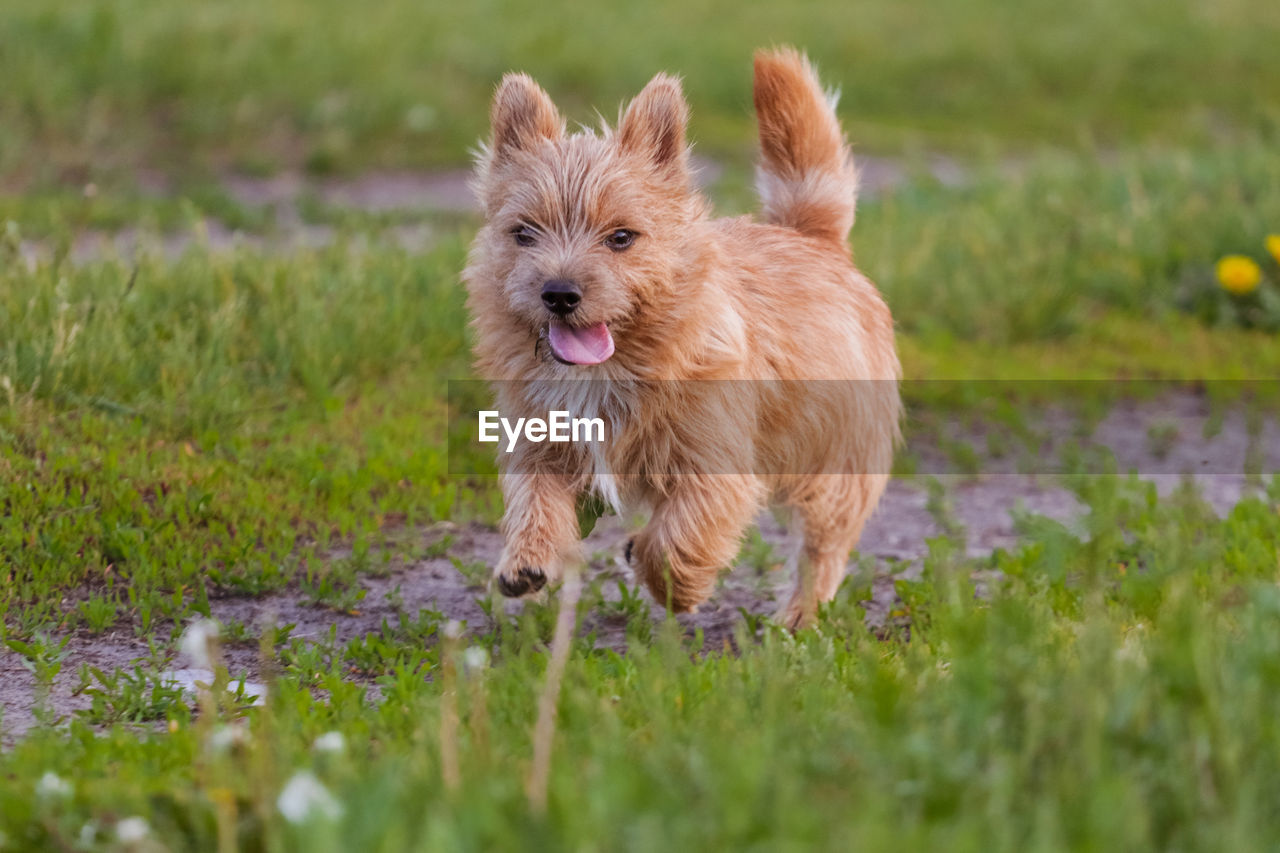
{"x":712,"y":321}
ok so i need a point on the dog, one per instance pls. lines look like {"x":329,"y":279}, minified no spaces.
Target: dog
{"x":600,"y":281}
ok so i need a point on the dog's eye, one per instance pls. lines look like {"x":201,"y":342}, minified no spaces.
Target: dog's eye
{"x":620,"y":239}
{"x":525,"y":235}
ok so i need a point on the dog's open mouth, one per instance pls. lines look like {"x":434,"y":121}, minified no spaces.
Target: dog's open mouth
{"x":586,"y":345}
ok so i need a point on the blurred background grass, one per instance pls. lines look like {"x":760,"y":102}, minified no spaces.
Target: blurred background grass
{"x":96,"y":90}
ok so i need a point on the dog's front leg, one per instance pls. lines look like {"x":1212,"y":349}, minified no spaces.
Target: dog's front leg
{"x":540,"y":526}
{"x":693,"y":534}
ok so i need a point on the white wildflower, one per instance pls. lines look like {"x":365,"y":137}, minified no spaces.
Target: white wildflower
{"x":52,"y":785}
{"x":131,"y":830}
{"x":452,"y":629}
{"x":224,"y":737}
{"x":304,"y":797}
{"x":331,"y":742}
{"x":198,"y":640}
{"x":1133,"y":648}
{"x":475,"y":659}
{"x":196,"y":682}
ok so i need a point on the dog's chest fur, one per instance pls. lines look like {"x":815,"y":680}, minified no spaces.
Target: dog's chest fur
{"x":614,"y":402}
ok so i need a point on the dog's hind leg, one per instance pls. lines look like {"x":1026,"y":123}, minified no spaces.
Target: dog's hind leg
{"x":695,"y":532}
{"x":833,"y":509}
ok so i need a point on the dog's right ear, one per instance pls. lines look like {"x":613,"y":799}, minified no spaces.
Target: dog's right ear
{"x":653,"y":126}
{"x":522,"y":116}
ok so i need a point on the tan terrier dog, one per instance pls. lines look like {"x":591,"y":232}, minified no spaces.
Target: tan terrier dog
{"x":707,"y":345}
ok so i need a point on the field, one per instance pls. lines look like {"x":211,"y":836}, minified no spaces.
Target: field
{"x":230,"y":310}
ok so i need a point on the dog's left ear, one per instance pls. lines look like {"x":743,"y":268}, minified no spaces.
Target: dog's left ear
{"x":654,"y":125}
{"x":522,"y":116}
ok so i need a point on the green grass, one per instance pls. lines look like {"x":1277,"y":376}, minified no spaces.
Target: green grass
{"x":97,"y":90}
{"x":217,"y":335}
{"x":215,"y":422}
{"x":61,"y":213}
{"x":1121,"y":237}
{"x":203,"y":428}
{"x":1112,"y":690}
{"x":252,"y":421}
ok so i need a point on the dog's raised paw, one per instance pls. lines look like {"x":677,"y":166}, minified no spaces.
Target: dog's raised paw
{"x":526,"y":580}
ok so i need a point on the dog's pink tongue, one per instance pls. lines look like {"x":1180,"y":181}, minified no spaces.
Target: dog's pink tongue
{"x":591,"y":345}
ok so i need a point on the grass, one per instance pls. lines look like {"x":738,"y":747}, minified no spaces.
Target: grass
{"x":250,"y":421}
{"x":221,"y":424}
{"x":1118,"y":239}
{"x":1114,"y":688}
{"x":96,"y":91}
{"x":1126,"y":236}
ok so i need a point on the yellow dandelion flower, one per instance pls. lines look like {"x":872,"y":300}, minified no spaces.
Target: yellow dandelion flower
{"x":1238,"y":274}
{"x":1273,"y":246}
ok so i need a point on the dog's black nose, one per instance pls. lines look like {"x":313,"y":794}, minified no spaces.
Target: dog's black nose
{"x":561,"y":296}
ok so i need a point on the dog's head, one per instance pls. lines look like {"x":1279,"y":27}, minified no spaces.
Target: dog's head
{"x":583,"y":233}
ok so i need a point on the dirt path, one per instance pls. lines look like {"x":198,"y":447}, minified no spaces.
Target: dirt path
{"x":895,"y":540}
{"x":449,"y":190}
{"x":418,"y":198}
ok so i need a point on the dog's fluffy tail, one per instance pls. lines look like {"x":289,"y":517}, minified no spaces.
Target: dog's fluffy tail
{"x":806,"y":177}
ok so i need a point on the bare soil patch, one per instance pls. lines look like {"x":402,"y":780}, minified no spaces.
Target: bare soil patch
{"x":896,"y":539}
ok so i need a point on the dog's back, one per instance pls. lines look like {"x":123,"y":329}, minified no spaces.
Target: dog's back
{"x":813,"y":315}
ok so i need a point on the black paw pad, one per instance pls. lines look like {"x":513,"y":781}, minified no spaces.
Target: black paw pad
{"x":631,"y":544}
{"x":526,"y":580}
